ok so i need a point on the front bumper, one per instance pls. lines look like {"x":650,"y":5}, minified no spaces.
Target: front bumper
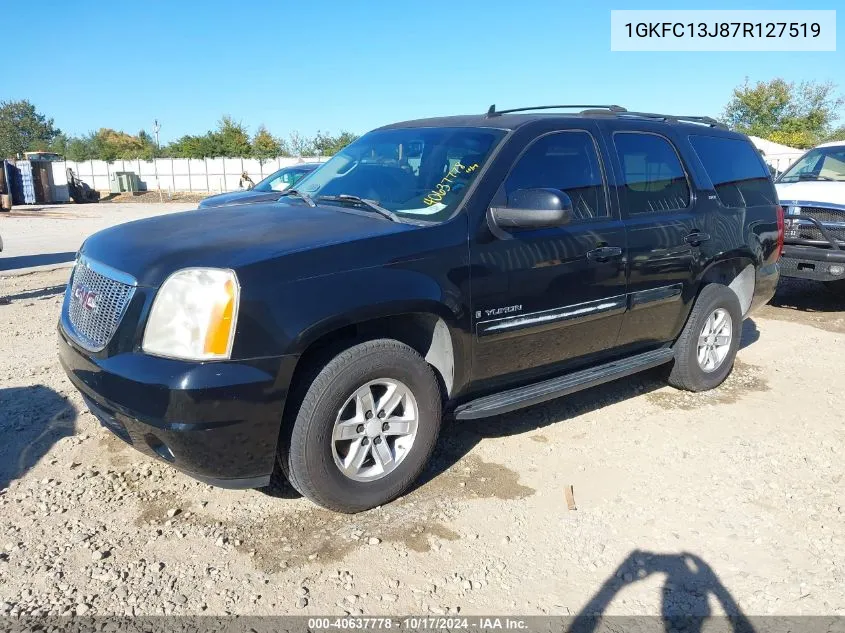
{"x":217,"y":422}
{"x":812,"y":262}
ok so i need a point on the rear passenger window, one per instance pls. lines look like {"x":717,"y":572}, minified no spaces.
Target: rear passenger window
{"x":737,"y":172}
{"x":654,"y":180}
{"x":568,"y":162}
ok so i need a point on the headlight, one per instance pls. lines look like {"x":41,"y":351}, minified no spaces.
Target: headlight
{"x":194,"y":315}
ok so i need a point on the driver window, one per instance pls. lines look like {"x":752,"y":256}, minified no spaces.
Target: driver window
{"x":566,"y":161}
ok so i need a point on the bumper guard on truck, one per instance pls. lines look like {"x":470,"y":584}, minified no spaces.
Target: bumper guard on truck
{"x":821,"y":260}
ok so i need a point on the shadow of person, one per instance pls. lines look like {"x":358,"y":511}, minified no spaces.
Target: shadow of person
{"x":32,"y":420}
{"x":688,"y":584}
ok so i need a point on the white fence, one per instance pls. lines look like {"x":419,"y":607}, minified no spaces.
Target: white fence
{"x":212,"y":175}
{"x":782,"y":162}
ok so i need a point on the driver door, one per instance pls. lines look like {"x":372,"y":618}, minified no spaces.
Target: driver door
{"x":547,"y":299}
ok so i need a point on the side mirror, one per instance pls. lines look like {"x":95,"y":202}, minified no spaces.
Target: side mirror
{"x":534,"y":209}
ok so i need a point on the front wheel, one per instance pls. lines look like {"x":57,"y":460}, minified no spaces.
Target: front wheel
{"x":706,"y":349}
{"x":366,"y":427}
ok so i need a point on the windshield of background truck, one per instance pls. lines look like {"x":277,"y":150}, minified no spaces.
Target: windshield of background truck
{"x":418,"y":173}
{"x":822,"y":163}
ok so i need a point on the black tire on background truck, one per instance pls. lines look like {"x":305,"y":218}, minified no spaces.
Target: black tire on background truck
{"x":706,"y":349}
{"x":365,"y":428}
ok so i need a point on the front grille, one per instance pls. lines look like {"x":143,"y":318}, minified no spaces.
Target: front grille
{"x":832,"y":219}
{"x":95,"y":305}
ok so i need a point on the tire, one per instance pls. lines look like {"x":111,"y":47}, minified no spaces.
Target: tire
{"x":309,"y":458}
{"x":687,"y":372}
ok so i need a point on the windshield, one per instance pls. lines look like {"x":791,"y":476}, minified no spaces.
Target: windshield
{"x":822,"y":163}
{"x":281,"y":180}
{"x":417,"y":173}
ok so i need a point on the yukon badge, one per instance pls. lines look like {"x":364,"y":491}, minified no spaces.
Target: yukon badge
{"x":492,"y":312}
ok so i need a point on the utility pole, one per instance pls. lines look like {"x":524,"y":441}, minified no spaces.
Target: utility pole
{"x":156,"y":128}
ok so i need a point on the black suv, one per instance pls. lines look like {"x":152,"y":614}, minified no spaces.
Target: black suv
{"x":470,"y":264}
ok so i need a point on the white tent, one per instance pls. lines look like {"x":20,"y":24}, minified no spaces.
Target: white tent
{"x":778,"y":156}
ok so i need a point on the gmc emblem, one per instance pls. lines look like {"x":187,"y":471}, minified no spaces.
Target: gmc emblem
{"x":86,"y":298}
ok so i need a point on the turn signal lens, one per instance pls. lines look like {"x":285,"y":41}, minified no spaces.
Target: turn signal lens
{"x":220,"y":324}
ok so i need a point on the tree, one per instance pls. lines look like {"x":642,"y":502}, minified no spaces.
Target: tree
{"x":837,"y":135}
{"x":23,"y":129}
{"x":799,"y":115}
{"x":329,"y":145}
{"x":265,"y":146}
{"x":148,"y":145}
{"x":232,"y":138}
{"x":59,"y":144}
{"x":79,"y":149}
{"x":300,"y":145}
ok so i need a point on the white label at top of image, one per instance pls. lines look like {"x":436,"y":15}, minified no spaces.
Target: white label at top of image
{"x":728,"y":30}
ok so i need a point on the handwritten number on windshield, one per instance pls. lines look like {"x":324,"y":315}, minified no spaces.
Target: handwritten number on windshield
{"x":443,"y":187}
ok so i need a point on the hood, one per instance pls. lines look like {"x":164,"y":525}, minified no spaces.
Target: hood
{"x":227,"y":237}
{"x":820,"y":191}
{"x":240,"y":197}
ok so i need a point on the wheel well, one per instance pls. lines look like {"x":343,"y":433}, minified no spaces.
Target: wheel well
{"x":427,"y":333}
{"x":738,"y":275}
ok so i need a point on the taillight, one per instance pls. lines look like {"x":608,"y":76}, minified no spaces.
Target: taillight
{"x":781,"y":230}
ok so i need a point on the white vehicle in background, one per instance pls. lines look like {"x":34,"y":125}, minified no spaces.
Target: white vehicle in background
{"x":812,"y":193}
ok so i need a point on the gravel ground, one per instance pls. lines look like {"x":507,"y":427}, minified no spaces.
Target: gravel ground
{"x":721,"y":501}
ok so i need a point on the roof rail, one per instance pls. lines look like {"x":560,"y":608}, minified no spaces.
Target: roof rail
{"x":675,"y":118}
{"x":491,"y":111}
{"x":615,"y":111}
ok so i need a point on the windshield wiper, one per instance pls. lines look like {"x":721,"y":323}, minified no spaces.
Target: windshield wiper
{"x":813,"y":177}
{"x":299,"y":194}
{"x":372,"y":205}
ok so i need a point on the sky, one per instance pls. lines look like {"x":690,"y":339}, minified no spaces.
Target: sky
{"x":308,"y":64}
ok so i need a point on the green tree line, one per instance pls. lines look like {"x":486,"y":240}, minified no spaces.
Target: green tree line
{"x":796,"y":114}
{"x":24,"y":129}
{"x":799,"y":115}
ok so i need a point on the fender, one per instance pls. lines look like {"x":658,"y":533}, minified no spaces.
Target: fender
{"x":304,"y":312}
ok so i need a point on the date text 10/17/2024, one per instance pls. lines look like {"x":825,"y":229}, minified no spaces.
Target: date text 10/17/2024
{"x":419,"y":623}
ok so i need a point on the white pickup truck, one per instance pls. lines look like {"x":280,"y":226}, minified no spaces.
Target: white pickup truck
{"x":812,"y":193}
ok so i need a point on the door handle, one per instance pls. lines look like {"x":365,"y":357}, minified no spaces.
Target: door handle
{"x":696,"y":238}
{"x":604,"y":253}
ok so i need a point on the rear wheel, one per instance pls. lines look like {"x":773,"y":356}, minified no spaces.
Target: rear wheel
{"x":706,"y":349}
{"x":366,"y":427}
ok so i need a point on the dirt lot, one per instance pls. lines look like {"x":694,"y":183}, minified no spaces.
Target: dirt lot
{"x":45,"y":236}
{"x":726,"y":500}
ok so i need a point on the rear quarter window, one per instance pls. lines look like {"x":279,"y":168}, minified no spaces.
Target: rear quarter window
{"x":654,"y":179}
{"x":736,"y":170}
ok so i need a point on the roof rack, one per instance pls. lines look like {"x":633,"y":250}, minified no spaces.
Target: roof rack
{"x":617,"y":111}
{"x":674,"y":118}
{"x":491,"y":111}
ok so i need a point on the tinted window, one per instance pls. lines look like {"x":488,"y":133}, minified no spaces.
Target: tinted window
{"x":737,"y":172}
{"x":566,"y":161}
{"x":654,"y":180}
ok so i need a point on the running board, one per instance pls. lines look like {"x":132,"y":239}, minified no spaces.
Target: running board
{"x":520,"y":397}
